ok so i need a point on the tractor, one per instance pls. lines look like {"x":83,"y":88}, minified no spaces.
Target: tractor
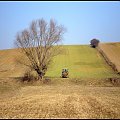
{"x":64,"y":73}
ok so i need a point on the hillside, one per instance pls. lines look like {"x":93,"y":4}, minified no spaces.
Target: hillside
{"x":81,"y":60}
{"x":112,"y":52}
{"x":86,"y":94}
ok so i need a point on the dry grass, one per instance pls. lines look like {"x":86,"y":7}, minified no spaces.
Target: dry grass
{"x":81,"y":60}
{"x":8,"y":65}
{"x":112,"y":51}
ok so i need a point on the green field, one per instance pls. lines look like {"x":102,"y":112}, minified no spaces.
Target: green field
{"x":82,"y":62}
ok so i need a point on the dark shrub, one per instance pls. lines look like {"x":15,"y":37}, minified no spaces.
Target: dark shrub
{"x":29,"y":76}
{"x":94,"y":43}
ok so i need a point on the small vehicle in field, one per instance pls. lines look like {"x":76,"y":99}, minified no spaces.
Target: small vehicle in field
{"x":64,"y":73}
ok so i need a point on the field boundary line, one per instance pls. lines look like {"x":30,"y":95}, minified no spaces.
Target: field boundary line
{"x":111,"y":64}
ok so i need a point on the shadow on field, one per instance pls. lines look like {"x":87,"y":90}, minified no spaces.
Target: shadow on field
{"x":32,"y":81}
{"x":99,"y":82}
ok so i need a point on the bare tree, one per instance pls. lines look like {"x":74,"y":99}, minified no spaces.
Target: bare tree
{"x":40,"y":43}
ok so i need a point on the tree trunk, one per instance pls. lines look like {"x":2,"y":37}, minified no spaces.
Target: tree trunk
{"x":40,"y":74}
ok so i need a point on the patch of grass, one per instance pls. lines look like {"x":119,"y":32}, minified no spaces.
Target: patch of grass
{"x":82,"y":62}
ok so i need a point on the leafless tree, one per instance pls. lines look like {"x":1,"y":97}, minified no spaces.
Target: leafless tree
{"x":40,"y":43}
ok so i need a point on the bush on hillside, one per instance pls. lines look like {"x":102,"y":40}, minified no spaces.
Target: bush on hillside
{"x":94,"y":43}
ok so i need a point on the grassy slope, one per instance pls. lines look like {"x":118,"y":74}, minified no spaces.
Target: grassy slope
{"x":82,"y":61}
{"x":112,"y":51}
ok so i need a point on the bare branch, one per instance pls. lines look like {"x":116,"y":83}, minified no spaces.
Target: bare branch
{"x":40,"y":43}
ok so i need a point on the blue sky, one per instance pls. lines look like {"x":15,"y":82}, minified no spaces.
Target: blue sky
{"x":83,"y":20}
